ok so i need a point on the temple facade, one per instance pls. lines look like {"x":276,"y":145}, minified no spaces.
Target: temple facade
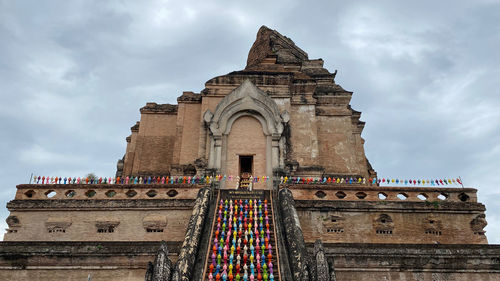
{"x":282,"y":114}
{"x":262,"y":176}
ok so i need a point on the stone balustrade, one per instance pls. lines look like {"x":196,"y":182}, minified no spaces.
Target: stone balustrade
{"x":106,"y":191}
{"x":381,"y":193}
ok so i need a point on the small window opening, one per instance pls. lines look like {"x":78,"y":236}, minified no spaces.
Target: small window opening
{"x":402,"y":196}
{"x":29,"y":193}
{"x":131,"y":193}
{"x":361,"y":195}
{"x":90,"y":193}
{"x":340,"y":195}
{"x":106,"y":229}
{"x":154,"y":229}
{"x":334,"y":230}
{"x":422,"y":196}
{"x":57,"y":230}
{"x":442,"y":196}
{"x":70,"y":193}
{"x":151,"y":193}
{"x":50,"y":193}
{"x":110,"y":193}
{"x":386,"y":232}
{"x":172,"y":193}
{"x":463,"y":197}
{"x":320,"y":194}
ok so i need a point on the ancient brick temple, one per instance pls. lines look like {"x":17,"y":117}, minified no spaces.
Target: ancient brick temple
{"x":220,"y":177}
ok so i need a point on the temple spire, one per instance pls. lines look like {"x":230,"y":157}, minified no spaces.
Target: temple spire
{"x":270,"y":43}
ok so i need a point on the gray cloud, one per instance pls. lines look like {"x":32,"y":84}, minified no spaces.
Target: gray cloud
{"x":424,"y":74}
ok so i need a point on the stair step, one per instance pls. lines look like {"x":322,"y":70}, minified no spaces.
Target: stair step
{"x":244,"y":195}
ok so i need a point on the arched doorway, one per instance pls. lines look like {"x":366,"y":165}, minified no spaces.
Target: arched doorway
{"x":246,"y":149}
{"x":253,"y":108}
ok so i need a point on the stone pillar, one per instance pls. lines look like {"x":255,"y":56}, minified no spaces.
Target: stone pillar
{"x":211,"y":154}
{"x":282,"y":147}
{"x":223,"y":166}
{"x":297,"y":252}
{"x":189,"y":250}
{"x":202,"y":144}
{"x":269,"y":160}
{"x":217,"y":152}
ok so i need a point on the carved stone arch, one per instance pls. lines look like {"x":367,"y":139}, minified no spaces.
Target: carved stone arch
{"x":246,"y":100}
{"x":256,"y":115}
{"x":247,"y":97}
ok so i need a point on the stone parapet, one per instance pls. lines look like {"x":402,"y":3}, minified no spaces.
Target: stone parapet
{"x":339,"y":192}
{"x":106,"y":191}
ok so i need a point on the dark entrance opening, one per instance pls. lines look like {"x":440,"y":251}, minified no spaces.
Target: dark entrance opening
{"x":246,"y":164}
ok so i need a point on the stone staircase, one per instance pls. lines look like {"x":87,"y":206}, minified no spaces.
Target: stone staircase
{"x":239,"y":249}
{"x":208,"y":254}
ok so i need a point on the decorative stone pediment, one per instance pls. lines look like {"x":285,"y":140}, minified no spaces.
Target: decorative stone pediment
{"x":58,"y":224}
{"x":383,"y":224}
{"x":431,"y":223}
{"x":333,"y":224}
{"x":13,"y":221}
{"x":247,"y":99}
{"x":104,"y":222}
{"x":154,"y":221}
{"x":478,"y":224}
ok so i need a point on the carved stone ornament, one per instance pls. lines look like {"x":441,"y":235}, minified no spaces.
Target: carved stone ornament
{"x":155,"y":221}
{"x":384,"y":224}
{"x":478,"y":224}
{"x":13,"y":221}
{"x":58,"y":224}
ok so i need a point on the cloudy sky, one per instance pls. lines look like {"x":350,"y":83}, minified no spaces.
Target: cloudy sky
{"x":425,"y":75}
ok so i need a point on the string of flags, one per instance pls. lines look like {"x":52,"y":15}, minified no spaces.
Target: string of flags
{"x":256,"y":179}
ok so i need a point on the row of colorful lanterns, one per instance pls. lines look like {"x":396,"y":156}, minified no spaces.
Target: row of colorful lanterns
{"x":222,"y":178}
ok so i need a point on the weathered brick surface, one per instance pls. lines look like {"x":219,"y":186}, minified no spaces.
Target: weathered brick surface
{"x":80,"y":216}
{"x":324,"y":133}
{"x":355,"y":220}
{"x":115,"y":261}
{"x":155,"y":145}
{"x":34,"y":225}
{"x":340,"y":150}
{"x":431,"y":262}
{"x":128,"y":260}
{"x":190,"y":132}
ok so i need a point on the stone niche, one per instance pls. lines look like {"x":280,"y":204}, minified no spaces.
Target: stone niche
{"x":58,"y":224}
{"x":433,"y":226}
{"x":478,"y":224}
{"x":333,"y":224}
{"x":106,"y":225}
{"x":154,"y":223}
{"x":14,"y":224}
{"x":383,"y":225}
